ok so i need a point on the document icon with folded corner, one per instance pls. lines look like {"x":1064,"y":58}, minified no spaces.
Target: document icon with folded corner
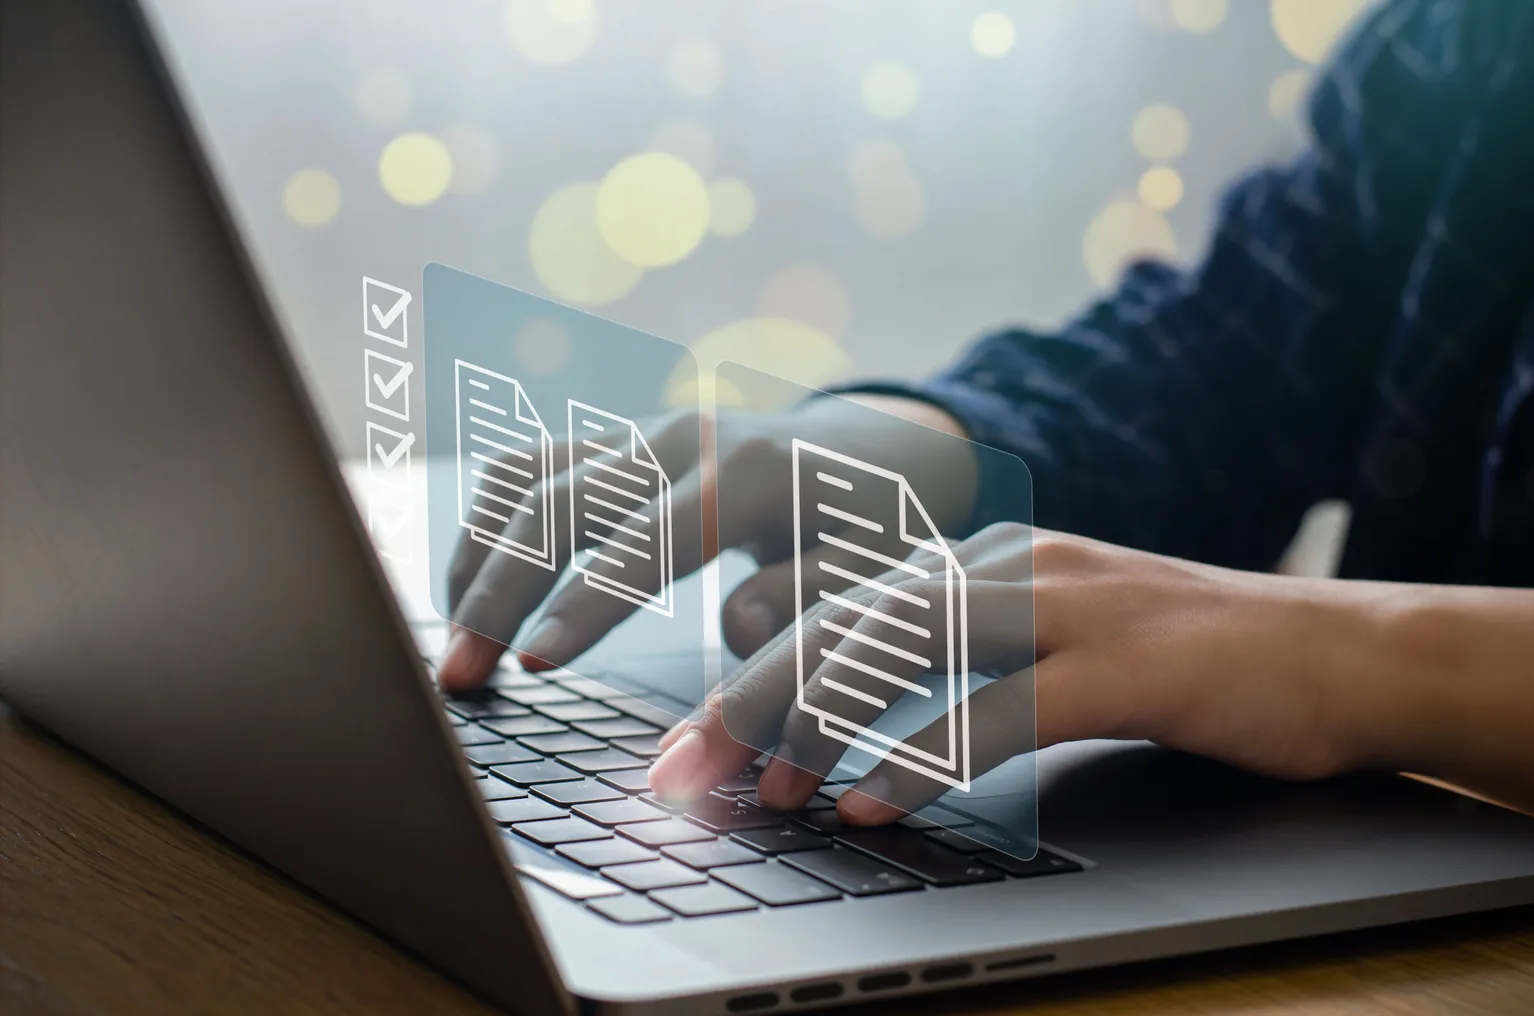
{"x":505,"y":459}
{"x":620,"y":507}
{"x":833,"y":496}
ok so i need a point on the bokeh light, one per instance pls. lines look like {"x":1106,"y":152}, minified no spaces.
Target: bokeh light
{"x":1286,"y":95}
{"x":1199,"y":15}
{"x":809,"y":293}
{"x":695,"y":67}
{"x":732,"y":207}
{"x":689,"y":141}
{"x":788,"y":349}
{"x":890,"y":90}
{"x":652,"y":209}
{"x":888,"y":199}
{"x":311,"y":197}
{"x":541,"y":346}
{"x":569,"y":255}
{"x":707,"y":392}
{"x":415,"y":169}
{"x":1123,"y":232}
{"x":993,"y":34}
{"x":551,"y":32}
{"x":475,"y":160}
{"x":1309,"y":28}
{"x":1160,"y":187}
{"x":383,"y":97}
{"x":1161,"y":132}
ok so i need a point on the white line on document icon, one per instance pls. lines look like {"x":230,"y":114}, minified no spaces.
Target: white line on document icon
{"x":505,"y":459}
{"x":822,"y":477}
{"x":620,"y":507}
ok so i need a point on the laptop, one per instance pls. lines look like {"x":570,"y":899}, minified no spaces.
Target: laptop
{"x":187,"y":595}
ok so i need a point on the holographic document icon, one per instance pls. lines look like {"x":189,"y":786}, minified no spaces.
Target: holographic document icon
{"x":505,"y":458}
{"x":620,"y":510}
{"x":834,"y":497}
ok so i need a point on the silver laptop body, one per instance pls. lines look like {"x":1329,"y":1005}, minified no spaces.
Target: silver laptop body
{"x":187,"y":595}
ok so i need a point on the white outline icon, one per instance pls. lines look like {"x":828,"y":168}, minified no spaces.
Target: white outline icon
{"x":623,"y":506}
{"x":828,"y":471}
{"x":390,"y":524}
{"x":505,"y":461}
{"x":399,"y":381}
{"x":389,"y":473}
{"x":373,"y":312}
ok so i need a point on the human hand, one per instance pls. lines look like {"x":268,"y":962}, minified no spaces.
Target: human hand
{"x":1260,"y":671}
{"x":492,"y":594}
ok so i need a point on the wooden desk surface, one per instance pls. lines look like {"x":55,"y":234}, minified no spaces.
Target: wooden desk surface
{"x":110,"y":903}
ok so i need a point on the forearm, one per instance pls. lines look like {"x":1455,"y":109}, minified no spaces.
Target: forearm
{"x":1453,"y":687}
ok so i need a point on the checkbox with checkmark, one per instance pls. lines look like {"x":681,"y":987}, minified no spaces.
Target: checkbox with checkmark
{"x":389,"y":523}
{"x":383,"y":312}
{"x":386,"y":382}
{"x":389,"y":457}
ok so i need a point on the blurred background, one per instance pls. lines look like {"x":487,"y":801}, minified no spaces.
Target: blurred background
{"x":818,"y":189}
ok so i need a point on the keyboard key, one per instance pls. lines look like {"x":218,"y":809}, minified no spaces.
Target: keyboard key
{"x":569,"y":712}
{"x":650,"y":713}
{"x":482,"y":706}
{"x":851,"y":872}
{"x":554,"y":744}
{"x":742,"y":782}
{"x":528,"y":809}
{"x":454,"y":720}
{"x":529,"y":773}
{"x":645,"y":745}
{"x":619,"y":726}
{"x":553,"y":832}
{"x":703,"y":900}
{"x":649,"y":797}
{"x":816,"y":803}
{"x":664,"y":834}
{"x":613,"y":682}
{"x":492,"y":789}
{"x":714,"y":854}
{"x":505,"y":753}
{"x":833,"y":791}
{"x":629,"y":909}
{"x":721,"y":814}
{"x":782,"y":840}
{"x":1043,"y":863}
{"x":578,"y":792}
{"x":569,"y":883}
{"x":647,"y":875}
{"x":601,"y":853}
{"x":775,"y":884}
{"x":611,"y":813}
{"x":934,"y":817}
{"x":824,"y":820}
{"x":541,"y":694}
{"x":524,"y":726}
{"x":955,"y":840}
{"x":632,"y":781}
{"x":472,"y":734}
{"x":503,"y":678}
{"x":603,"y":761}
{"x":589,"y":688}
{"x":912,"y":852}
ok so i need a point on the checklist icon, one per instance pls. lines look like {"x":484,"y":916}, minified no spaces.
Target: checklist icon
{"x":386,"y":384}
{"x":389,"y":523}
{"x":389,"y":457}
{"x":383,"y":312}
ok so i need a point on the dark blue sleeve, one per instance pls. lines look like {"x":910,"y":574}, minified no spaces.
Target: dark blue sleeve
{"x":1199,"y":414}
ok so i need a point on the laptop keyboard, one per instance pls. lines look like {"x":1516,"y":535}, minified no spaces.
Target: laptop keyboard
{"x":562,"y":764}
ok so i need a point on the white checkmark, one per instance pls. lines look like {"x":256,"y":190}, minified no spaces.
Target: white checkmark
{"x":390,"y":458}
{"x":391,"y":387}
{"x":381,"y":520}
{"x":385,"y":320}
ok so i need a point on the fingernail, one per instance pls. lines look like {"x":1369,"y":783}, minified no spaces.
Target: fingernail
{"x":458,"y":660}
{"x":676,"y":774}
{"x":777,"y":779}
{"x":868,"y":802}
{"x":542,"y":645}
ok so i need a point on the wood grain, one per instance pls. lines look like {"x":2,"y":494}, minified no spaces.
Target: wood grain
{"x":111,"y":903}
